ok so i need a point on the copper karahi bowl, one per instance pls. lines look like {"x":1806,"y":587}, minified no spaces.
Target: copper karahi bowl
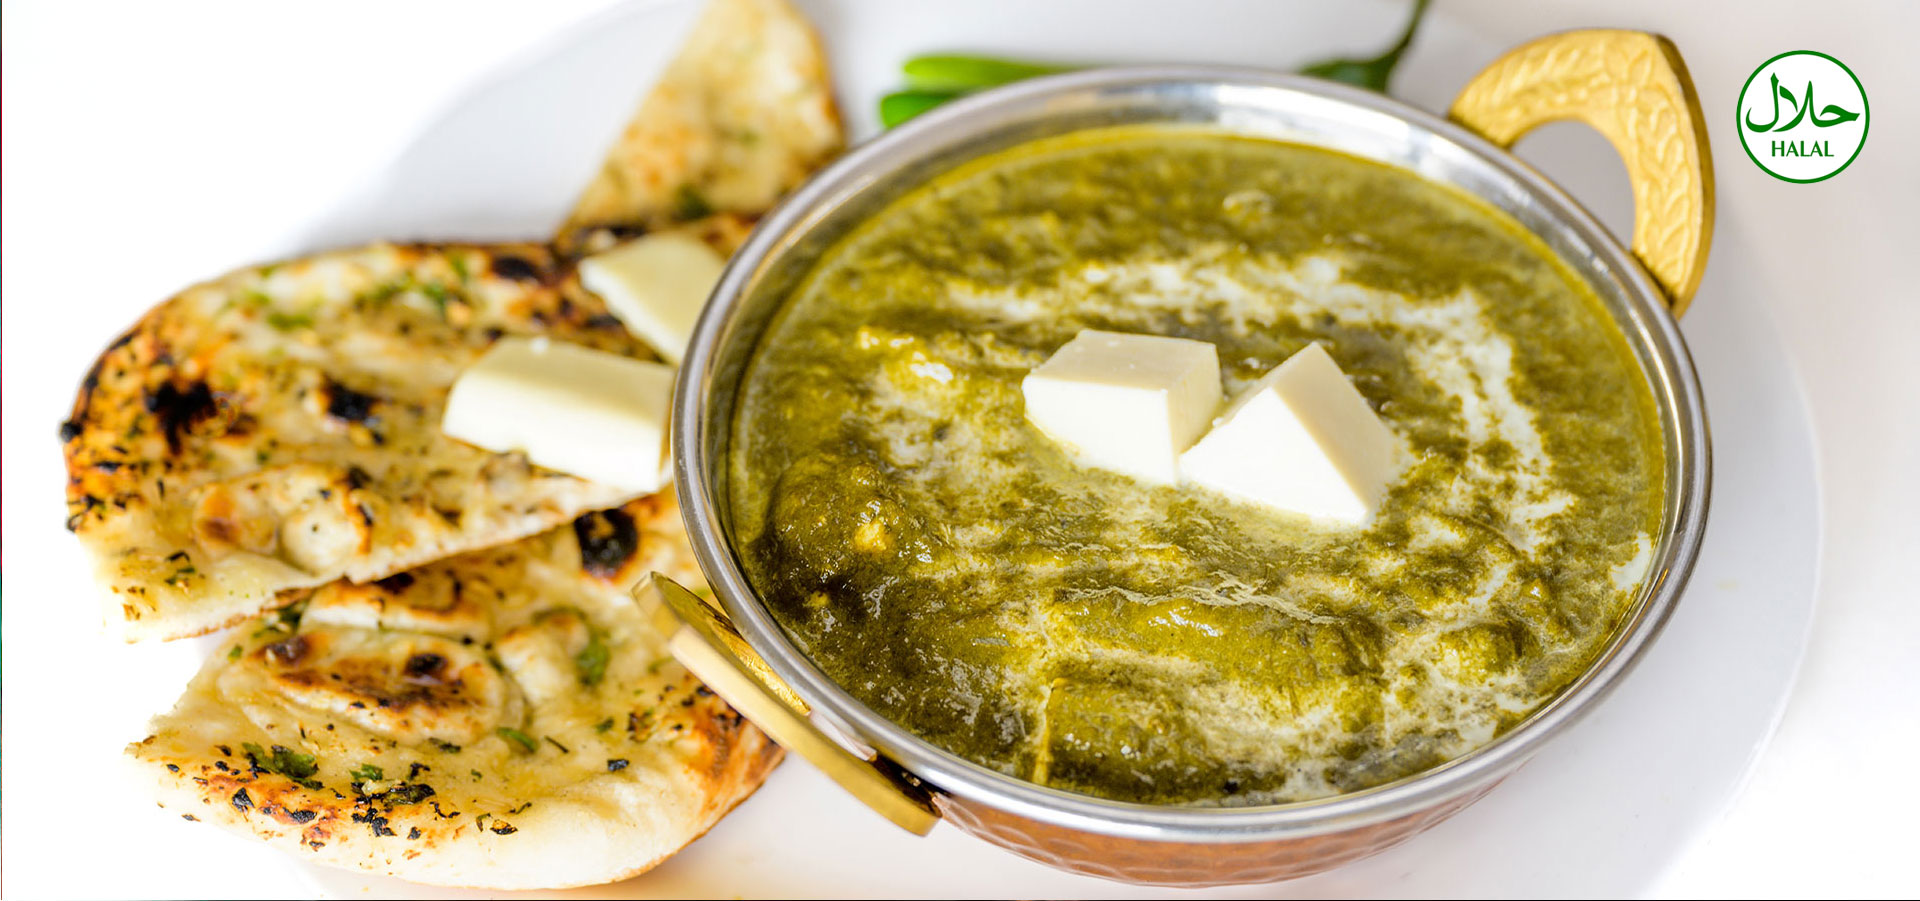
{"x":1631,"y":86}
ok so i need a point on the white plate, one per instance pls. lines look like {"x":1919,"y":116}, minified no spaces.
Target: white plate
{"x":1602,"y":811}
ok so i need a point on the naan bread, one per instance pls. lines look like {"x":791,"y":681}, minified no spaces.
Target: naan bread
{"x":279,"y":428}
{"x":506,"y":719}
{"x":740,"y":117}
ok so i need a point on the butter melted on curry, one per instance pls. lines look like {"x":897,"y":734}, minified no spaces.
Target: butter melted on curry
{"x":957,"y":571}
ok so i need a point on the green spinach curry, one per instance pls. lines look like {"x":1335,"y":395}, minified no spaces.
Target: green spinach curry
{"x":961,"y":574}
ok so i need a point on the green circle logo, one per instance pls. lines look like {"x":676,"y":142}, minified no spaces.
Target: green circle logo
{"x":1802,"y":116}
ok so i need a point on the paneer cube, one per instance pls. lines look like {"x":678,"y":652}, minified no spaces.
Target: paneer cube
{"x":656,"y":286}
{"x":1301,"y":439}
{"x":584,"y":412}
{"x":1130,"y":403}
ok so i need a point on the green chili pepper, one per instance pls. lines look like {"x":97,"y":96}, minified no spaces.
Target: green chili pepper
{"x":934,"y":79}
{"x":951,"y":72}
{"x":900,"y":106}
{"x":1372,"y":74}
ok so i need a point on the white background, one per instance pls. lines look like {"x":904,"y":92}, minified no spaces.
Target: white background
{"x":150,"y":145}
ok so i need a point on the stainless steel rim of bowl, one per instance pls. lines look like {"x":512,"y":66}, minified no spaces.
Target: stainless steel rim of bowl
{"x":1245,"y":101}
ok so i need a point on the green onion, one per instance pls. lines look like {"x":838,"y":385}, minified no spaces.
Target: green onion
{"x":283,"y":761}
{"x":689,"y":204}
{"x":519,"y":738}
{"x":436,"y":294}
{"x":286,"y":322}
{"x":592,"y":659}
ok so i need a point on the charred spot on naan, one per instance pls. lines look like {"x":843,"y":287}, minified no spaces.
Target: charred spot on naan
{"x":430,"y":600}
{"x":608,"y":542}
{"x":405,"y":688}
{"x":724,"y":232}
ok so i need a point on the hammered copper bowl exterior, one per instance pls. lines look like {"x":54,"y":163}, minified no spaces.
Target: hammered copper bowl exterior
{"x":1187,"y":864}
{"x":1182,"y":846}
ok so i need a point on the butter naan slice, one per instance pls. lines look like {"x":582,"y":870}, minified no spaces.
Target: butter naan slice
{"x":506,"y":719}
{"x":279,"y":428}
{"x":740,"y":117}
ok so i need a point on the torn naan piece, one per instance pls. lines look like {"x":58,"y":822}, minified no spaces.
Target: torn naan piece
{"x":506,"y":719}
{"x":279,"y":428}
{"x":740,"y":117}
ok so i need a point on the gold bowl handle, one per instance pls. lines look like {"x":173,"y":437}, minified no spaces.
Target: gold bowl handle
{"x":1632,"y":87}
{"x":704,"y":642}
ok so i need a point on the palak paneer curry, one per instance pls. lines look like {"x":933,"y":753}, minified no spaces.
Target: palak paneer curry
{"x":968,"y":578}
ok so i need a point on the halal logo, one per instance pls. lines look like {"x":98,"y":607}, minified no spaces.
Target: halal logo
{"x":1802,"y":116}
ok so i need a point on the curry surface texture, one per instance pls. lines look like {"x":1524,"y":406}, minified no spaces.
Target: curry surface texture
{"x":954,"y":569}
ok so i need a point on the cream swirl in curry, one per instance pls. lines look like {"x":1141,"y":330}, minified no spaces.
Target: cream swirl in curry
{"x":961,"y":574}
